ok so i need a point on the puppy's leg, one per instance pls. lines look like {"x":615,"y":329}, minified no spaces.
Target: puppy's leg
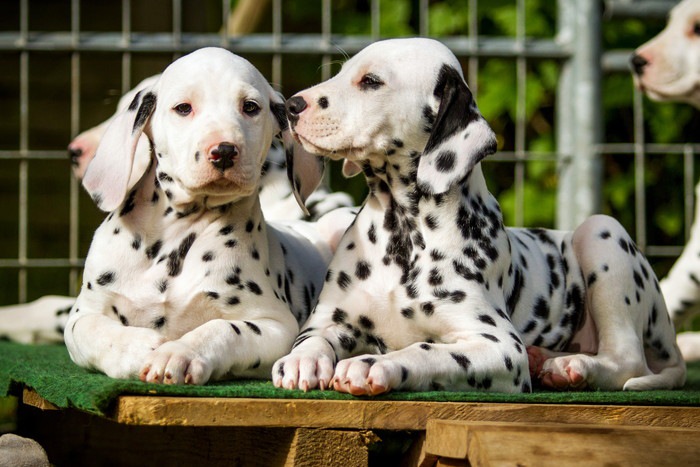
{"x":472,"y":363}
{"x":310,"y":365}
{"x":681,"y":287}
{"x":220,"y":348}
{"x":96,"y":341}
{"x":38,"y":322}
{"x":636,"y":340}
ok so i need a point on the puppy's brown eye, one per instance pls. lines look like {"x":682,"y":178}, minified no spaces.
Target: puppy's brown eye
{"x":696,"y":29}
{"x":251,"y":108}
{"x":370,"y":81}
{"x":183,"y":109}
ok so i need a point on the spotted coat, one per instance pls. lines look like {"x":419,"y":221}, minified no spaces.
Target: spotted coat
{"x":428,"y":289}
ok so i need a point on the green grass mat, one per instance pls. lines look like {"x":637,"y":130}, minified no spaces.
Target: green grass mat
{"x":51,"y":373}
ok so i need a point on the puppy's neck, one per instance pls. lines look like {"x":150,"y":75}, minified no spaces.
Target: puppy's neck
{"x":392,"y":183}
{"x":157,"y":200}
{"x":392,"y":180}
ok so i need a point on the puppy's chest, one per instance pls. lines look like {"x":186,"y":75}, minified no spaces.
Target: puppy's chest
{"x":181,"y":276}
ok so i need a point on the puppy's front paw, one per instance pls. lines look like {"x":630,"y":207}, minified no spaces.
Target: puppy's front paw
{"x":175,"y":363}
{"x":128,"y":351}
{"x":368,"y":375}
{"x":303,"y":371}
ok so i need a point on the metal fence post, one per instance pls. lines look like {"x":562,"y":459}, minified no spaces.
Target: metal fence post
{"x":579,"y":113}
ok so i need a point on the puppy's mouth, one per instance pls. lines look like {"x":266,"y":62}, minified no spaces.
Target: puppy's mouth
{"x":331,"y":153}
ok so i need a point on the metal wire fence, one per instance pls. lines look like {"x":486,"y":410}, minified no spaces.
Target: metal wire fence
{"x":59,"y":58}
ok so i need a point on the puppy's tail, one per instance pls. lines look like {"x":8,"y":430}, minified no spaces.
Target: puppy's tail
{"x":671,"y":376}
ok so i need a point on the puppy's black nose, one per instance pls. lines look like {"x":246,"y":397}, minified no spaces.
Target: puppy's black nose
{"x":638,"y":63}
{"x":222,"y":156}
{"x":74,"y":154}
{"x":295,"y":106}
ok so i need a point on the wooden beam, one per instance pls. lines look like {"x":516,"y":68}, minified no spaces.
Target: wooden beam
{"x":30,"y":397}
{"x":386,"y":415}
{"x":556,"y":444}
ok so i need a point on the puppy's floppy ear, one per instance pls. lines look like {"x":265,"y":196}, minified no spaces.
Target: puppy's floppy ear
{"x":109,"y":174}
{"x":460,"y":136}
{"x":304,"y":169}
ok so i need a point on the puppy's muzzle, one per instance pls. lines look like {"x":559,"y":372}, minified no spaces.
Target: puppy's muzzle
{"x":295,"y":106}
{"x":638,"y":64}
{"x":222,"y":156}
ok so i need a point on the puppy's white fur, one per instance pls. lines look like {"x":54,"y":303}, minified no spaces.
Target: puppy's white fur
{"x":185,"y":282}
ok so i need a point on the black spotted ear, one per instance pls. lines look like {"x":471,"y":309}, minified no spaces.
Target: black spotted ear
{"x":459,"y":139}
{"x":304,"y":170}
{"x":108,"y":175}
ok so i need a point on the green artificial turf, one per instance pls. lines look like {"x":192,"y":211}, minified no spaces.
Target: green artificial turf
{"x":51,"y":373}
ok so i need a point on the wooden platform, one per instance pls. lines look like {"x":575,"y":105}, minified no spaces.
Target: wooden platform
{"x":145,"y":430}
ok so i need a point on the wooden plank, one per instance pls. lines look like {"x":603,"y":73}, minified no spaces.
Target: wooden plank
{"x":387,"y":415}
{"x":555,"y":444}
{"x":30,"y":397}
{"x":313,"y":447}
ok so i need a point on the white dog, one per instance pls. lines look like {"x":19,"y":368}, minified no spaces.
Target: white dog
{"x":428,"y":289}
{"x":667,"y":68}
{"x":185,"y":282}
{"x":43,"y":320}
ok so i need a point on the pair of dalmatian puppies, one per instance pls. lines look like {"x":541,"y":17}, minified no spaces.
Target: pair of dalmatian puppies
{"x":185,"y":281}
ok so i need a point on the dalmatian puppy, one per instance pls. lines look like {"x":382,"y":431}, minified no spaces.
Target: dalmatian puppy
{"x":427,"y":289}
{"x":43,"y":320}
{"x":185,"y":282}
{"x":667,"y":68}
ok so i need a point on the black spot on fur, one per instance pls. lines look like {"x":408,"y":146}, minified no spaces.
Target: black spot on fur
{"x":363,"y":270}
{"x":490,"y":337}
{"x":486,"y":319}
{"x":339,"y":316}
{"x":129,"y":204}
{"x":105,"y":278}
{"x":176,"y":257}
{"x":159,"y":322}
{"x":461,"y":360}
{"x":541,"y":308}
{"x":407,"y":312}
{"x":445,"y":161}
{"x":344,"y":280}
{"x":372,"y":233}
{"x":365,"y":322}
{"x":208,"y":256}
{"x":253,"y":327}
{"x":148,"y":104}
{"x":253,"y":287}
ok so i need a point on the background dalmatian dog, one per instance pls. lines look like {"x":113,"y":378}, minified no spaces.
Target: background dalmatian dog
{"x":185,"y":282}
{"x":427,"y":289}
{"x":667,"y":68}
{"x":43,"y":320}
{"x":81,"y":150}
